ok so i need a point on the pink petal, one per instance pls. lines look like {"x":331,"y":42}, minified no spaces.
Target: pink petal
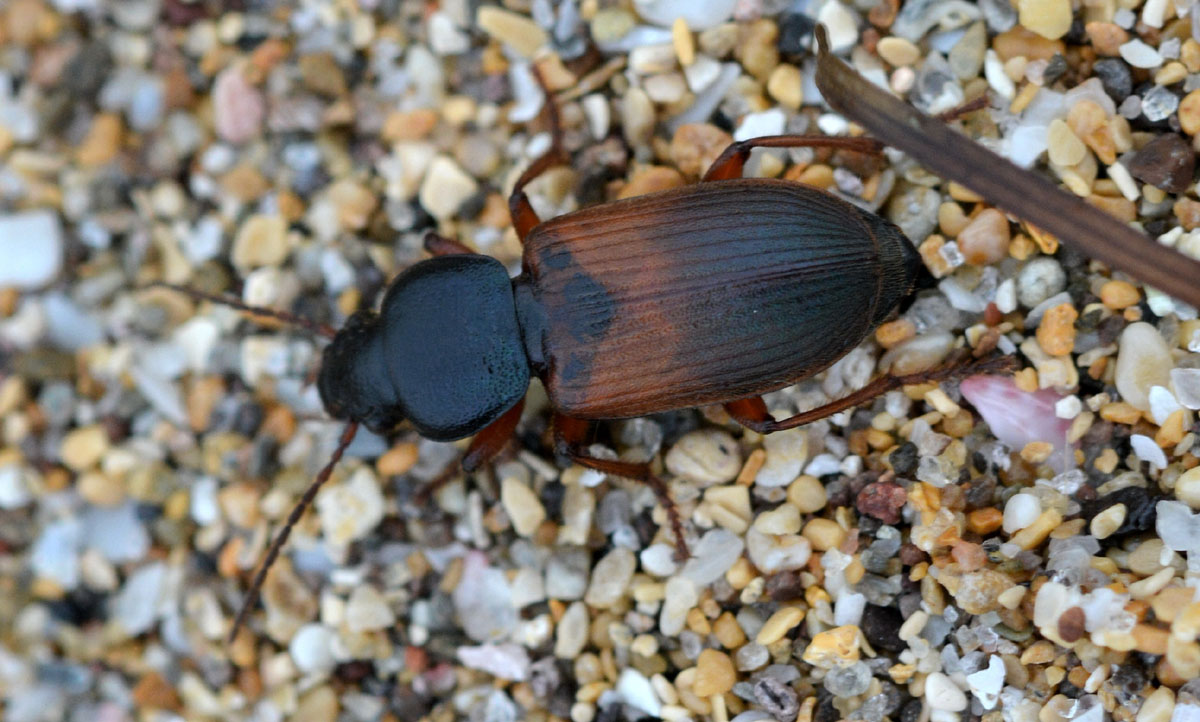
{"x":1019,"y":417}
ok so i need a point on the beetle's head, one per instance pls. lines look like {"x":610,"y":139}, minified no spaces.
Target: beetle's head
{"x":901,"y":265}
{"x":353,"y":381}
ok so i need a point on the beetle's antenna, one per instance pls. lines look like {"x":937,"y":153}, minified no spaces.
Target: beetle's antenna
{"x":308,"y":324}
{"x":293,"y":518}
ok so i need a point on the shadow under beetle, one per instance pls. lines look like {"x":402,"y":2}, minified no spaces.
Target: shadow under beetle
{"x":709,"y":294}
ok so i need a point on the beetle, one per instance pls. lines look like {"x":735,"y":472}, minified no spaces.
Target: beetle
{"x":714,"y":293}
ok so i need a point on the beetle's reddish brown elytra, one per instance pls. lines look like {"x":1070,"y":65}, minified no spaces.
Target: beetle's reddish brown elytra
{"x":710,"y":294}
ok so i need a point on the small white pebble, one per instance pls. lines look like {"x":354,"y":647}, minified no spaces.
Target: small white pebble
{"x":1154,"y":12}
{"x":1187,"y":386}
{"x":1021,"y":511}
{"x":1068,"y":407}
{"x":1140,"y":55}
{"x":942,"y":693}
{"x":1162,"y":404}
{"x":1148,"y":451}
{"x":998,"y":80}
{"x":1125,"y":183}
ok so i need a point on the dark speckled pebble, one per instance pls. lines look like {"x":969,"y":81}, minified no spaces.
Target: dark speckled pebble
{"x":904,"y":458}
{"x":1167,"y":162}
{"x":881,"y":626}
{"x":795,"y":34}
{"x":1139,"y":505}
{"x":1115,"y":77}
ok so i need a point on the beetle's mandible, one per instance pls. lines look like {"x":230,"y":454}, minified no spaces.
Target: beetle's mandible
{"x":709,"y":294}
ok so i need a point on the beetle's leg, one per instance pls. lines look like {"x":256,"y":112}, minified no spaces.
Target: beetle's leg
{"x":440,"y":245}
{"x":752,"y":412}
{"x":729,"y":164}
{"x":489,"y":442}
{"x":570,"y":434}
{"x":524,"y":218}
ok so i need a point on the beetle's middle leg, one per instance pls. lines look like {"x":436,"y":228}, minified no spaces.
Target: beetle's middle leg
{"x":731,"y":162}
{"x":570,"y":435}
{"x":753,"y":414}
{"x":524,"y":218}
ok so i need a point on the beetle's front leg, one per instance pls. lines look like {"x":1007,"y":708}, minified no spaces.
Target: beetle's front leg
{"x":570,"y":435}
{"x":524,"y":218}
{"x":484,"y":447}
{"x":732,"y":161}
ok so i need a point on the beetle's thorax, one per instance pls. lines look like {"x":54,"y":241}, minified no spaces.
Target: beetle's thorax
{"x":444,"y":352}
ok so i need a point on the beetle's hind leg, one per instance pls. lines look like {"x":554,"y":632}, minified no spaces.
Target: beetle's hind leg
{"x":569,"y":437}
{"x":524,"y":218}
{"x":732,"y":161}
{"x":753,"y":414}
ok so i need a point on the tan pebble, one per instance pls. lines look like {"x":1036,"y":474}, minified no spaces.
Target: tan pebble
{"x":1118,"y":295}
{"x":824,"y":534}
{"x":807,"y":494}
{"x":985,"y":239}
{"x":779,"y":624}
{"x":1184,"y":656}
{"x":261,"y":241}
{"x":1187,"y":211}
{"x":1108,"y":521}
{"x":154,"y":692}
{"x":239,"y":502}
{"x":1056,"y":333}
{"x":523,"y":507}
{"x":1118,"y":207}
{"x":354,"y":202}
{"x":318,"y":705}
{"x":651,"y":179}
{"x":321,"y":74}
{"x":1107,"y":38}
{"x":100,"y":489}
{"x":1186,"y":625}
{"x":102,"y":142}
{"x":245,"y":183}
{"x":685,"y":44}
{"x":786,"y":85}
{"x":1049,"y":18}
{"x":715,"y":674}
{"x":1171,"y":73}
{"x":409,"y":125}
{"x":1158,"y":706}
{"x":839,"y":645}
{"x":695,"y":146}
{"x":1187,"y":487}
{"x":1189,"y":113}
{"x":894,"y":333}
{"x":1065,"y":148}
{"x":1168,"y":603}
{"x":1151,"y":585}
{"x":83,"y":447}
{"x":1011,"y":598}
{"x":1035,"y":452}
{"x":728,"y":632}
{"x":1149,"y":639}
{"x":898,"y":51}
{"x":951,"y":219}
{"x":1036,"y":533}
{"x":517,"y":31}
{"x":397,"y":460}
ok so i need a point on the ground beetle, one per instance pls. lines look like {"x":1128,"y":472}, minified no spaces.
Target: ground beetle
{"x":710,"y":294}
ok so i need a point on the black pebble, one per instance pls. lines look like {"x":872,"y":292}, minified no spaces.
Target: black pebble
{"x":1139,"y":505}
{"x":795,"y":34}
{"x":1115,"y":76}
{"x":911,"y":711}
{"x":1055,"y":69}
{"x":881,"y":626}
{"x":904,"y":459}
